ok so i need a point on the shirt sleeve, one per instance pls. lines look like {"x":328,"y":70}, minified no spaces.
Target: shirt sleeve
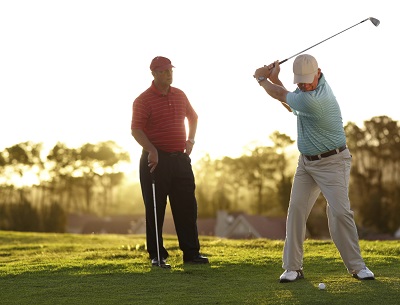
{"x":304,"y":103}
{"x":140,"y":114}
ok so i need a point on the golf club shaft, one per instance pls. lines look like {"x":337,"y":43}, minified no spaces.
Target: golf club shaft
{"x":373,"y":20}
{"x":153,"y":184}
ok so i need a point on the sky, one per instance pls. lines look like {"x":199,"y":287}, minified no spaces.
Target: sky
{"x":70,"y":70}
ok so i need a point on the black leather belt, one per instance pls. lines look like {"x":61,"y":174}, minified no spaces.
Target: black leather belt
{"x":167,"y":154}
{"x":173,"y":154}
{"x":326,"y":154}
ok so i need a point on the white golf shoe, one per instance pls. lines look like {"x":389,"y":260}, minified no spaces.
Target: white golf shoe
{"x":364,"y":274}
{"x":291,"y":276}
{"x":163,"y":263}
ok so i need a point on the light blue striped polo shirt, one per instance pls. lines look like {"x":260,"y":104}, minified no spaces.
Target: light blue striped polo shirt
{"x":319,"y":120}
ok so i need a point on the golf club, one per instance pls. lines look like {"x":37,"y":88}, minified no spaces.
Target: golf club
{"x":159,"y":264}
{"x":374,"y":21}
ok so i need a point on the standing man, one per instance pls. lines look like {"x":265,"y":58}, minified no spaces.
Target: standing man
{"x":323,"y":165}
{"x":158,"y":125}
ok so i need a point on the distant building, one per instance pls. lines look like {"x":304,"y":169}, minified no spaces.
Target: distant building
{"x":232,"y":226}
{"x":397,"y":234}
{"x":120,"y":224}
{"x":244,"y":226}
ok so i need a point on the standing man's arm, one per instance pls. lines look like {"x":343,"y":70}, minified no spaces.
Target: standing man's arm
{"x":142,"y":139}
{"x":192,"y":133}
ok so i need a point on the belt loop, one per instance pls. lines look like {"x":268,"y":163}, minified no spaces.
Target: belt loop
{"x":319,"y":157}
{"x":337,"y":150}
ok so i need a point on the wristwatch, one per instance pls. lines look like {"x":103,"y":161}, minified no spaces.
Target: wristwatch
{"x":260,"y":79}
{"x":191,"y":141}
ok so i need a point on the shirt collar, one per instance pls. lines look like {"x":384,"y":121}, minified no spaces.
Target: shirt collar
{"x":156,"y":91}
{"x":321,"y":80}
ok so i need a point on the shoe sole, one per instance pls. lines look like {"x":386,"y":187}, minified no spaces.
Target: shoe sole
{"x":164,"y":266}
{"x":196,"y":263}
{"x":363,"y":279}
{"x":300,"y":275}
{"x":289,"y":281}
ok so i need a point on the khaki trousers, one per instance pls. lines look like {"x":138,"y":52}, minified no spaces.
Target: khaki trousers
{"x":331,"y":177}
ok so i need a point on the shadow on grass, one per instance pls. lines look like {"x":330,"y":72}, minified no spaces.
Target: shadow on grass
{"x":243,"y":283}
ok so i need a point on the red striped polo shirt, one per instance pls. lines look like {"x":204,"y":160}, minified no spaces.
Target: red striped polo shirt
{"x":162,"y":117}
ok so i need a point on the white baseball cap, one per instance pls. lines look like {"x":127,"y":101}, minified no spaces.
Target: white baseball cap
{"x":305,"y":67}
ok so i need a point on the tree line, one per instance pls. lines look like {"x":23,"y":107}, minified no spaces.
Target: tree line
{"x":259,"y":182}
{"x":80,"y":180}
{"x":89,"y":179}
{"x":375,"y":178}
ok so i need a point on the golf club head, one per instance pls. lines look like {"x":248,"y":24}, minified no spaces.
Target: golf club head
{"x":374,"y":21}
{"x":164,"y":266}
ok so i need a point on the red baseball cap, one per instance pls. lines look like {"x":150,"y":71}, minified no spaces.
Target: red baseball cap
{"x":160,"y":63}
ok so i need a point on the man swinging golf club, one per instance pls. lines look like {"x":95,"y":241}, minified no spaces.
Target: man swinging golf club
{"x":158,"y":125}
{"x":323,"y":165}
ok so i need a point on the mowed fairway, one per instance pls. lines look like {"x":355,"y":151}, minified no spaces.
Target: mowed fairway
{"x":37,"y":268}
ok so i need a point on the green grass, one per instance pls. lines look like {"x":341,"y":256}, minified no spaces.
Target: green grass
{"x":72,"y":269}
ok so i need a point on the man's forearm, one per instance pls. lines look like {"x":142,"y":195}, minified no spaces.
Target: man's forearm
{"x":275,"y":80}
{"x":286,"y":106}
{"x":192,"y":129}
{"x":142,"y":139}
{"x":275,"y":91}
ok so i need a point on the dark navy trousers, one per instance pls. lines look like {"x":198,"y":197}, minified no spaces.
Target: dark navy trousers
{"x":173,"y":179}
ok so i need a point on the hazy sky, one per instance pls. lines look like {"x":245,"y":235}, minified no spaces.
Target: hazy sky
{"x":70,"y":70}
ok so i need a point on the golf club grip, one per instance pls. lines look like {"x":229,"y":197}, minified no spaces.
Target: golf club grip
{"x":281,"y":62}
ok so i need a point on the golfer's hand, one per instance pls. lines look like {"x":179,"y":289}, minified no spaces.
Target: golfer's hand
{"x":152,"y":159}
{"x":275,"y":69}
{"x":263,"y":71}
{"x":189,"y":147}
